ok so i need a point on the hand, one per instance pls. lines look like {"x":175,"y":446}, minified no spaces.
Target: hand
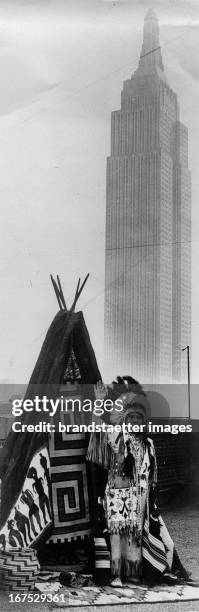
{"x":100,"y":501}
{"x":100,"y":390}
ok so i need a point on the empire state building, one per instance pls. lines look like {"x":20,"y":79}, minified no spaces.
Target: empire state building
{"x":148,"y":226}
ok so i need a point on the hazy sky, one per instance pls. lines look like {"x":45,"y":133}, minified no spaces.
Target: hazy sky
{"x":62,"y":66}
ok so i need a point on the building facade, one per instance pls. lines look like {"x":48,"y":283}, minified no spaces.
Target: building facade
{"x":148,"y":226}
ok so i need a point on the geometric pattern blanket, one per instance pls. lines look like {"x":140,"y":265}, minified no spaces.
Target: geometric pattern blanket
{"x":70,"y":484}
{"x":128,"y":594}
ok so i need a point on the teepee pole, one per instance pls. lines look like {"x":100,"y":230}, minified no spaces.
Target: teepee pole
{"x":61,"y":292}
{"x":78,"y":292}
{"x":60,"y":296}
{"x":57,"y":293}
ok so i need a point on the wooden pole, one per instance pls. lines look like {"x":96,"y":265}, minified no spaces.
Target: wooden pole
{"x":189,"y":389}
{"x":187,"y":348}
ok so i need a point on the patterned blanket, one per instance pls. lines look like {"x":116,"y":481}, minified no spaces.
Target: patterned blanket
{"x":70,"y":484}
{"x":128,"y":594}
{"x":31,"y":516}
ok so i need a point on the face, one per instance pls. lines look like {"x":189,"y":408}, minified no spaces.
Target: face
{"x":135,"y":417}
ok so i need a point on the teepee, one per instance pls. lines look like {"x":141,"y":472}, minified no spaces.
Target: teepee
{"x":44,"y":478}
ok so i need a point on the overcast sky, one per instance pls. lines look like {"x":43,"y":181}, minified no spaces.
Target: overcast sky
{"x":62,"y":66}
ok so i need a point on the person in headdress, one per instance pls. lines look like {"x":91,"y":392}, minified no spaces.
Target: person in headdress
{"x":140,"y":544}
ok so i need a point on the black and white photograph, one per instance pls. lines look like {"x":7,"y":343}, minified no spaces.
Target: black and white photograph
{"x":99,"y":328}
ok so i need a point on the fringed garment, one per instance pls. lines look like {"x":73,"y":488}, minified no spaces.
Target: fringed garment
{"x":140,"y":543}
{"x":126,"y":501}
{"x":126,"y":497}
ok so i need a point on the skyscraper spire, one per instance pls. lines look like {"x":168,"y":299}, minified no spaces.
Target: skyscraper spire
{"x":151,"y":51}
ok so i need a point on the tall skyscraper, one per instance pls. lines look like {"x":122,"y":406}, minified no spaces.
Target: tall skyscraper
{"x":148,"y":226}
